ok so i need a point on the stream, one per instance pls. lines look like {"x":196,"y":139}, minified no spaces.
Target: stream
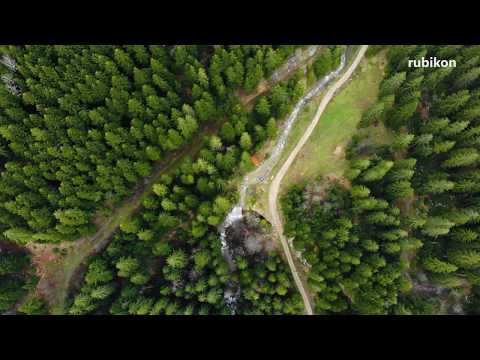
{"x":7,"y":78}
{"x":261,"y":173}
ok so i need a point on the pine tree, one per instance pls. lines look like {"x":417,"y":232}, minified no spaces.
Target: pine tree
{"x":402,"y":141}
{"x":221,"y":205}
{"x":127,"y":266}
{"x":377,"y":217}
{"x":131,"y":226}
{"x":374,"y":113}
{"x":140,"y":76}
{"x":438,"y":266}
{"x":123,"y":59}
{"x":399,"y":189}
{"x":227,"y":133}
{"x":437,"y":186}
{"x":465,"y":80}
{"x":352,"y":173}
{"x":98,"y":272}
{"x":399,"y":116}
{"x":435,"y":226}
{"x":455,"y":128}
{"x":400,"y":174}
{"x":102,"y":292}
{"x":470,"y":113}
{"x":378,"y":171}
{"x":162,"y":248}
{"x":12,"y":263}
{"x":279,"y":101}
{"x":461,"y":216}
{"x":245,"y":141}
{"x":298,"y":91}
{"x":467,"y":259}
{"x":187,"y":126}
{"x":177,"y":260}
{"x":451,"y":104}
{"x":272,"y":61}
{"x":442,"y":146}
{"x":19,"y":235}
{"x":461,"y":157}
{"x":201,"y":259}
{"x":463,"y":235}
{"x":271,"y":128}
{"x":370,"y":245}
{"x":263,"y":108}
{"x":33,"y":306}
{"x":215,"y":143}
{"x":360,"y":191}
{"x":324,"y":63}
{"x":435,"y":126}
{"x":391,"y":84}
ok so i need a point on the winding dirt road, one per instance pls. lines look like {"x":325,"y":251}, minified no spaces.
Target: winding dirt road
{"x":275,"y":185}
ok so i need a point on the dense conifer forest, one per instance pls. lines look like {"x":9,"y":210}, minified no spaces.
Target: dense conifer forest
{"x":167,"y":260}
{"x":84,"y":129}
{"x":82,"y":126}
{"x":410,"y":208}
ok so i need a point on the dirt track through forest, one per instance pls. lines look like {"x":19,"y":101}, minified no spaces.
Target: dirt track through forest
{"x":275,"y":185}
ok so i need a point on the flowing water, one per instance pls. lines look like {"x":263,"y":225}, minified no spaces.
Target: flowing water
{"x":261,"y":173}
{"x":7,"y":78}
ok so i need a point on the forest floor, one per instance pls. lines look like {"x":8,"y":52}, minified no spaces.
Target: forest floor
{"x":61,"y":266}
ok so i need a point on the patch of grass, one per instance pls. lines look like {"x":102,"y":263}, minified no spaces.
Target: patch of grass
{"x":324,"y":152}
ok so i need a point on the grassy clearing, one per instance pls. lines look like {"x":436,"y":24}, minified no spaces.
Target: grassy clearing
{"x":336,"y":127}
{"x":324,"y":153}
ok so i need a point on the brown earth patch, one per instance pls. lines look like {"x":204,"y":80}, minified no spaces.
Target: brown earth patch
{"x":338,"y":151}
{"x":424,"y":110}
{"x":255,"y":160}
{"x":333,"y":178}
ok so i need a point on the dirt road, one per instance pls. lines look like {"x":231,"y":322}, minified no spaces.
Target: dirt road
{"x":275,"y":185}
{"x":59,"y":274}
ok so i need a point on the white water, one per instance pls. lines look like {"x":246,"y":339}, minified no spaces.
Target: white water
{"x":261,"y":173}
{"x":9,"y":63}
{"x":7,"y":78}
{"x":233,"y":216}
